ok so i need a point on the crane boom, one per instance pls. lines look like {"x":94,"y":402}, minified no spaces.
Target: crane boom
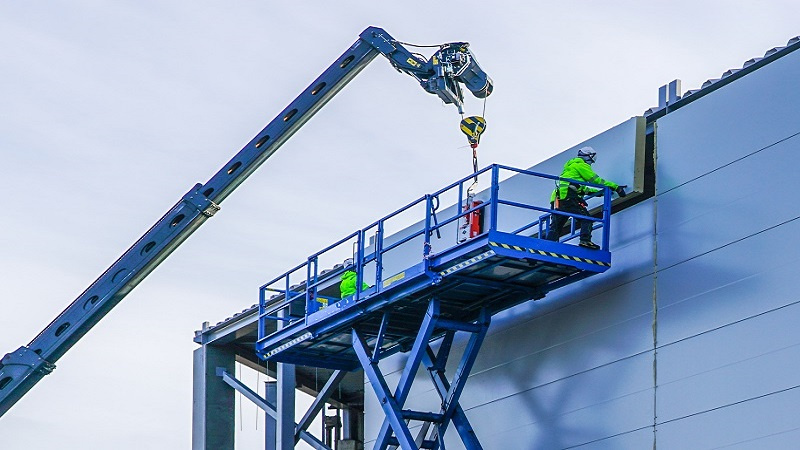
{"x":452,"y":64}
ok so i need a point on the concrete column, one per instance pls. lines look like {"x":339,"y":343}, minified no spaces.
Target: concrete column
{"x":213,"y":410}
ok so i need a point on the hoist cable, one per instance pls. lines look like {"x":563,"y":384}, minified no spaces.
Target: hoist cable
{"x":394,"y":41}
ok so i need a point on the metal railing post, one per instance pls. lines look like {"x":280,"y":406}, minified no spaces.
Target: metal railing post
{"x":426,"y":247}
{"x":288,"y":303}
{"x":359,"y":262}
{"x":606,"y":217}
{"x":379,"y":255}
{"x":262,"y":307}
{"x":495,"y":193}
{"x":311,"y":278}
{"x":459,"y":207}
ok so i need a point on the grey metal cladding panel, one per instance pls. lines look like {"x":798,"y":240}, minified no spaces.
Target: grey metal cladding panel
{"x":747,"y":359}
{"x":588,"y":407}
{"x":620,"y":155}
{"x":373,"y":414}
{"x":633,"y":440}
{"x":626,"y":288}
{"x":755,"y":111}
{"x":534,"y":437}
{"x":632,"y":257}
{"x":731,"y":203}
{"x":779,"y":440}
{"x":579,"y":335}
{"x":604,"y":336}
{"x":764,"y":423}
{"x":737,"y":281}
{"x":515,"y":364}
{"x":620,"y":159}
{"x":600,"y":336}
{"x":562,"y":365}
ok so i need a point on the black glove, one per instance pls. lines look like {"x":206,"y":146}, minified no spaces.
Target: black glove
{"x":620,"y":190}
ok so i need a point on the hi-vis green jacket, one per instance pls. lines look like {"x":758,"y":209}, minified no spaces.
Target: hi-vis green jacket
{"x":578,"y":169}
{"x":348,"y":284}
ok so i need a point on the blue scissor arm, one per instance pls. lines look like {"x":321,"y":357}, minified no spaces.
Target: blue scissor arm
{"x":20,"y":370}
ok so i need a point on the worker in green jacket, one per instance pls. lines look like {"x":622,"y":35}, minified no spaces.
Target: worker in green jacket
{"x":568,"y":197}
{"x":348,"y":285}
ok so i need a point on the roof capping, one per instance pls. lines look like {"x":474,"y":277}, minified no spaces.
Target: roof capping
{"x":670,"y":97}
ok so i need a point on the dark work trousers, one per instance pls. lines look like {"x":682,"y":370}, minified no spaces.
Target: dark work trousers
{"x":573,"y":205}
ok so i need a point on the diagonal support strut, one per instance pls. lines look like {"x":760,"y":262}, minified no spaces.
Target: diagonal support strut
{"x":394,"y":430}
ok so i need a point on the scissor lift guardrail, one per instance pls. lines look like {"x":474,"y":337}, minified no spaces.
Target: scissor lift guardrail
{"x":444,"y":287}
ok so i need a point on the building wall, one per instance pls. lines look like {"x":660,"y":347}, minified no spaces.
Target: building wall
{"x":727,"y":238}
{"x":689,"y":340}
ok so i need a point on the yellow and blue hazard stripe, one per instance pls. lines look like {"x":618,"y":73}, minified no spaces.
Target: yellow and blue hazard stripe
{"x":551,"y":254}
{"x":466,"y":263}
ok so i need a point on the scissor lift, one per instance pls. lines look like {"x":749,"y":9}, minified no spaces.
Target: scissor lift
{"x":446,"y":287}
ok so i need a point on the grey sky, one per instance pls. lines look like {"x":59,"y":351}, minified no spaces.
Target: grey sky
{"x":110,"y":111}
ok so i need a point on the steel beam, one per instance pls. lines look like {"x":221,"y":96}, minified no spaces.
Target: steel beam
{"x":271,"y":425}
{"x":287,"y":382}
{"x":319,"y":401}
{"x":268,"y":408}
{"x":376,"y":353}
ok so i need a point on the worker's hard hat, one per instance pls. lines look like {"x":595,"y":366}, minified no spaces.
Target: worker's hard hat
{"x":587,"y":154}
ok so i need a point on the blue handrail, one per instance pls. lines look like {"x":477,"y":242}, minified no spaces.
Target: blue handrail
{"x":288,"y":294}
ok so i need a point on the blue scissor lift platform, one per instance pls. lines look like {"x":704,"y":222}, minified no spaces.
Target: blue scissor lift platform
{"x":445,"y":286}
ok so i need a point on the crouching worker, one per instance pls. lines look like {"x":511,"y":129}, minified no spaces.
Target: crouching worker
{"x":348,"y":285}
{"x":568,"y":197}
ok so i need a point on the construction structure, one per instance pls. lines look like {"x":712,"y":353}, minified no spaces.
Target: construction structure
{"x":628,"y":346}
{"x":684,"y":341}
{"x":443,"y":75}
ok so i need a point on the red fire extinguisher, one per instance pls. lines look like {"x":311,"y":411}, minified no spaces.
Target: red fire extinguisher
{"x":471,"y":223}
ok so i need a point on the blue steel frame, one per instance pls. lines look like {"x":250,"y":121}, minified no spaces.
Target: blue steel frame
{"x":450,"y":411}
{"x":368,"y":345}
{"x":288,"y":295}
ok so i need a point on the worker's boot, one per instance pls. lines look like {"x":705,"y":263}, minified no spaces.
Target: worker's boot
{"x":590,"y":245}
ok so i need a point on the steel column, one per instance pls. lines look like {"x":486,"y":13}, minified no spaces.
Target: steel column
{"x":285,"y":374}
{"x":271,"y":425}
{"x":285,"y":407}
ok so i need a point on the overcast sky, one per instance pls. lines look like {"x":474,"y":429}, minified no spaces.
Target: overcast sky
{"x":111,"y":111}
